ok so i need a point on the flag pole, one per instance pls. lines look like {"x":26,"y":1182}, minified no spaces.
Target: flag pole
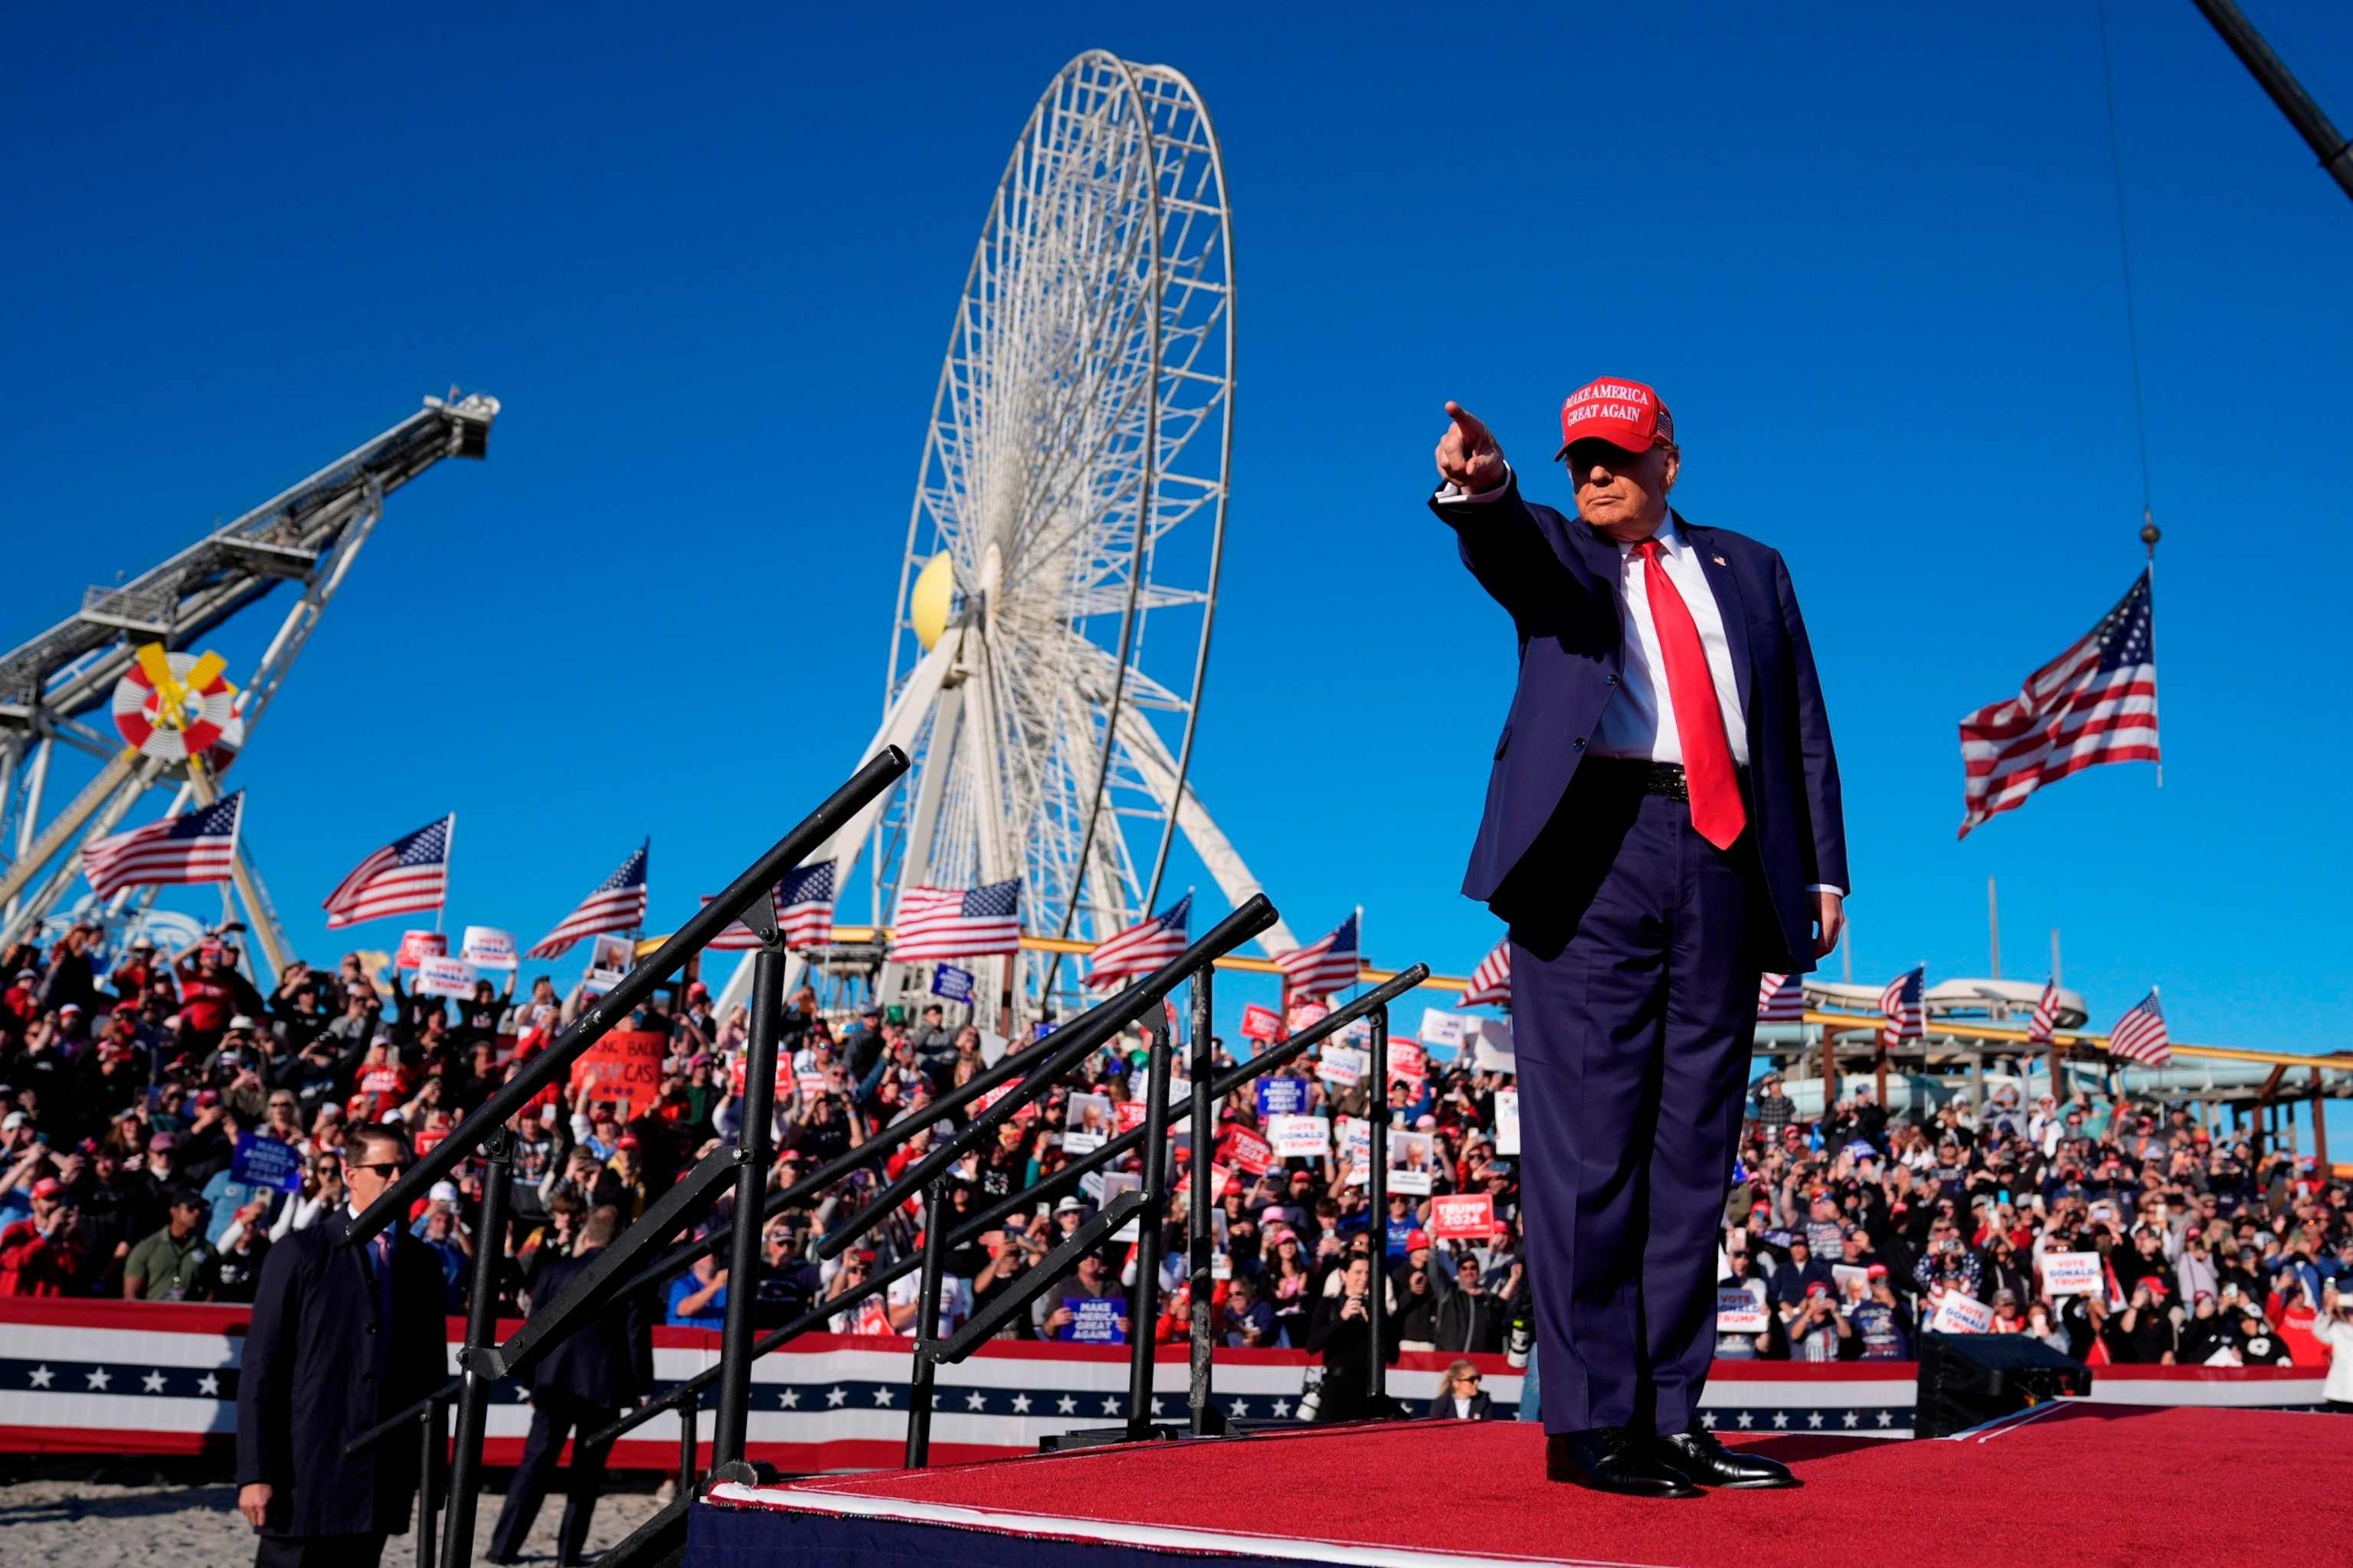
{"x":448,"y":864}
{"x":2149,"y":534}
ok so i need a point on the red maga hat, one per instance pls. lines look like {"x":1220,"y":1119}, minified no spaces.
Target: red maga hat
{"x":1626,"y":414}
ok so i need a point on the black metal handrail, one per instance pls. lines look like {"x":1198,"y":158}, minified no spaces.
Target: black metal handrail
{"x":1207,"y":1089}
{"x":635,"y":988}
{"x":482,"y":1360}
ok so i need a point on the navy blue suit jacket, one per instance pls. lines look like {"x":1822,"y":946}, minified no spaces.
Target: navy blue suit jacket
{"x":1558,"y":579}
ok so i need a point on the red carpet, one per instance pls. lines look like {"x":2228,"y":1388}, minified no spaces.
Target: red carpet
{"x":2081,"y":1485}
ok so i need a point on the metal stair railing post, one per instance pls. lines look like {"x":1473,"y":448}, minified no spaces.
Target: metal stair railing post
{"x":1065,"y":1049}
{"x":1377,"y":1150}
{"x":926,"y":1373}
{"x":987,"y":1219}
{"x":436,"y":1426}
{"x":481,"y":1329}
{"x":751,"y":1152}
{"x":1097,"y":1024}
{"x":635,"y":987}
{"x":690,"y":1419}
{"x":1207,"y":1419}
{"x":1143,"y":1312}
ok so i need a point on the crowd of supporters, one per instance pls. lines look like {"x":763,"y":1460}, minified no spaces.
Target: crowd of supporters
{"x":1851,"y":1233}
{"x":163,"y":1122}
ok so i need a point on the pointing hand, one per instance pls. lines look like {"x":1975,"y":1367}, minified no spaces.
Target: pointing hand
{"x":1468,"y":455}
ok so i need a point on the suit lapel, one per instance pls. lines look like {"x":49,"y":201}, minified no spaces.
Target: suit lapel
{"x":1729,"y":604}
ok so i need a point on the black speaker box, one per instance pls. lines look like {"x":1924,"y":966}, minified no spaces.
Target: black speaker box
{"x":1967,"y":1380}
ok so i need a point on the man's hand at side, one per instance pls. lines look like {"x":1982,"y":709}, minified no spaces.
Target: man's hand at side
{"x":1469,"y":457}
{"x":1830,"y":919}
{"x":253,"y":1501}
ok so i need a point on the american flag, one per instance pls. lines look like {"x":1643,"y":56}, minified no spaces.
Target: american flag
{"x":1142,"y":946}
{"x":1321,"y":968}
{"x":1491,"y":982}
{"x":200,"y":846}
{"x":617,"y":905}
{"x":2039,"y":1028}
{"x":1780,"y":998}
{"x":410,"y":873}
{"x":804,"y":912}
{"x":2095,"y":702}
{"x":1907,"y":1016}
{"x":2139,"y":1034}
{"x":804,"y":905}
{"x":958,"y":922}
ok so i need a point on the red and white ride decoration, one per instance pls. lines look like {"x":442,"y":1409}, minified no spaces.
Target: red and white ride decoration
{"x":173,"y":706}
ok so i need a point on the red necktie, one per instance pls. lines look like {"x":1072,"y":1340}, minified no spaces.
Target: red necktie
{"x":1716,"y":807}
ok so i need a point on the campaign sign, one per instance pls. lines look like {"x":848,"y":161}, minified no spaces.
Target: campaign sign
{"x":1343,"y":1066}
{"x":265,"y":1162}
{"x":1960,"y":1314}
{"x":1299,"y":1137}
{"x":1130,"y":1114}
{"x":1358,"y":1033}
{"x":952,"y":982}
{"x":1738,"y":1311}
{"x":1305,"y":1015}
{"x":1095,"y":1322}
{"x":415,"y":947}
{"x":2071,"y":1273}
{"x":1261,"y":1022}
{"x":1356,"y":1147}
{"x":626,"y":1065}
{"x":1853,"y":1282}
{"x":1282,"y":1097}
{"x":1413,"y":1160}
{"x":1507,"y":1121}
{"x":444,"y":977}
{"x":1408,"y":1061}
{"x":1462,"y":1216}
{"x":489,"y":948}
{"x":1440,"y":1027}
{"x":1247,"y":1151}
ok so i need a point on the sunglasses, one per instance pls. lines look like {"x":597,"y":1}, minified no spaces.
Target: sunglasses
{"x":389,"y":1170}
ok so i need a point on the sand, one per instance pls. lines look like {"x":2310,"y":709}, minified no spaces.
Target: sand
{"x":133,"y":1512}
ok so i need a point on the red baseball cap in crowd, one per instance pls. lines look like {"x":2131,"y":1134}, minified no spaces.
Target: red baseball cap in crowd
{"x":1413,"y":1240}
{"x":1626,"y":414}
{"x":1877,"y":1271}
{"x":48,"y":1187}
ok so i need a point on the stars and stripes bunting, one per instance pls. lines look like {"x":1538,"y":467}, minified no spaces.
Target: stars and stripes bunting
{"x":200,"y":846}
{"x":1491,"y":982}
{"x":1907,"y":1015}
{"x":2040,"y":1028}
{"x":958,"y":922}
{"x":619,"y":903}
{"x":410,"y":873}
{"x":2139,"y":1035}
{"x":1780,"y":998}
{"x":1321,"y":968}
{"x":2095,"y":702}
{"x":1142,"y":946}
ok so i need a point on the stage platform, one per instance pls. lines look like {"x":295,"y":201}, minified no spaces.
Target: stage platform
{"x":2072,"y":1483}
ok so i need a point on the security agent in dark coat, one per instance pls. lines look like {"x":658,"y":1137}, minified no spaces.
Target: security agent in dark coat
{"x":337,"y":1342}
{"x":602,"y":1368}
{"x":1662,"y":824}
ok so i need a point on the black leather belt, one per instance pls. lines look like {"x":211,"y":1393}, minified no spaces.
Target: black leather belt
{"x":1661,"y":778}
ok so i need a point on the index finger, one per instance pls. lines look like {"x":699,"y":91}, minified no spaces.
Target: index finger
{"x":1474,"y":430}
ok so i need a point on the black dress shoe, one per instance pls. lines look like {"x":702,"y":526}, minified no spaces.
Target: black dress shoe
{"x":1608,"y":1460}
{"x":1699,"y":1456}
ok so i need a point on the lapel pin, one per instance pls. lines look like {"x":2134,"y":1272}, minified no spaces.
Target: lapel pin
{"x":1719,"y":560}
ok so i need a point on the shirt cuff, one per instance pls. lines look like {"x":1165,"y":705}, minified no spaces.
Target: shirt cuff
{"x":1450,"y":495}
{"x":1825,"y":887}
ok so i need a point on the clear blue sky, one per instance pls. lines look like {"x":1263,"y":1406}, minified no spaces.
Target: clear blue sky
{"x":1869,"y":253}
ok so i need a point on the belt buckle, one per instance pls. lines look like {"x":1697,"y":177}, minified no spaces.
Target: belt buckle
{"x":1668,"y":781}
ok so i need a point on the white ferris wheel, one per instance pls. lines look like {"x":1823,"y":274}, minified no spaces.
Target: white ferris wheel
{"x":1052,"y":624}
